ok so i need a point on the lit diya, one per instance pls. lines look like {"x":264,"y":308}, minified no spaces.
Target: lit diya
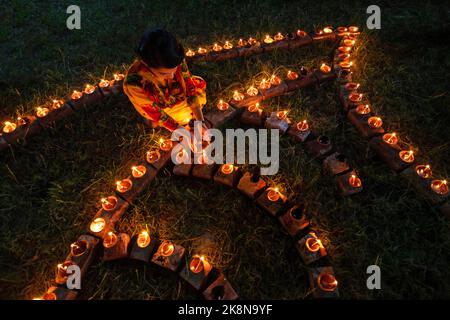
{"x":325,"y":68}
{"x":9,"y":127}
{"x":274,"y":194}
{"x":302,"y":126}
{"x":281,"y":115}
{"x":97,"y":225}
{"x":253,"y":107}
{"x":42,"y":112}
{"x":327,"y":282}
{"x":424,"y":171}
{"x":268,"y":39}
{"x":228,"y":45}
{"x":165,"y":145}
{"x":61,"y":269}
{"x":89,"y":89}
{"x":56,"y":104}
{"x":355,"y":97}
{"x":138,"y":171}
{"x":202,"y":50}
{"x":217,"y":48}
{"x":104,"y":83}
{"x":237,"y":96}
{"x":222,"y":105}
{"x":242,"y":43}
{"x":118,"y":76}
{"x":109,"y":203}
{"x":313,"y":244}
{"x":78,"y":248}
{"x":227,"y":168}
{"x":301,"y":33}
{"x":278,"y":37}
{"x":110,"y":240}
{"x":406,"y":156}
{"x":354,"y":181}
{"x":292,"y":75}
{"x":375,"y":122}
{"x":198,"y":264}
{"x":363,"y":109}
{"x":440,"y":187}
{"x":351,"y":86}
{"x":166,"y":249}
{"x":190,"y":53}
{"x":275,"y":80}
{"x":252,"y":91}
{"x":346,"y":64}
{"x":344,"y":49}
{"x":264,"y":84}
{"x":76,"y":95}
{"x":353,"y":29}
{"x":252,"y":41}
{"x":143,"y":239}
{"x":124,"y":185}
{"x":349,"y":42}
{"x":152,"y":156}
{"x":390,"y":138}
{"x":328,"y":30}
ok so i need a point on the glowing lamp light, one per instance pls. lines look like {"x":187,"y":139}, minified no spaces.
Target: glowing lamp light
{"x":202,"y":50}
{"x":182,"y":156}
{"x":124,"y":185}
{"x":152,"y":156}
{"x":228,"y":45}
{"x":268,"y":39}
{"x":97,"y":225}
{"x":227,"y":168}
{"x":375,"y":122}
{"x":346,"y":64}
{"x":349,"y":42}
{"x":281,"y":115}
{"x":253,"y":107}
{"x":76,"y":95}
{"x":165,"y":145}
{"x":292,"y":75}
{"x":197,"y":264}
{"x":353,"y":29}
{"x":252,"y":91}
{"x":325,"y":68}
{"x":103,"y":83}
{"x":302,"y":126}
{"x":78,"y":248}
{"x":313,"y":244}
{"x":252,"y":41}
{"x":344,"y":56}
{"x":222,"y":105}
{"x":355,"y":97}
{"x":61,"y":268}
{"x":48,"y":296}
{"x":166,"y":249}
{"x":89,"y":89}
{"x":217,"y":47}
{"x":242,"y":43}
{"x":21,"y":121}
{"x":109,"y":203}
{"x":42,"y":112}
{"x":190,"y":53}
{"x":440,"y":187}
{"x":344,"y":49}
{"x":342,"y":29}
{"x":138,"y":171}
{"x":301,"y":33}
{"x":406,"y":156}
{"x":275,"y":80}
{"x":237,"y":96}
{"x":351,"y":86}
{"x":118,"y":76}
{"x":278,"y":37}
{"x":56,"y":104}
{"x":424,"y":171}
{"x":143,"y":239}
{"x":390,"y":138}
{"x":328,"y":29}
{"x":9,"y":127}
{"x":264,"y":84}
{"x":363,"y":109}
{"x":327,"y":282}
{"x":110,"y":240}
{"x":273,"y":194}
{"x":354,"y":181}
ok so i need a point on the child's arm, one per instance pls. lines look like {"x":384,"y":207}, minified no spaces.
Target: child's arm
{"x":195,"y":91}
{"x":144,"y":103}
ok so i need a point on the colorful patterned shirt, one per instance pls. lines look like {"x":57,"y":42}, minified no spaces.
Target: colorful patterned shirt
{"x":160,"y":103}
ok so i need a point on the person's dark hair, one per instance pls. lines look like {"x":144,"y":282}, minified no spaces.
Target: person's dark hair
{"x":158,"y":48}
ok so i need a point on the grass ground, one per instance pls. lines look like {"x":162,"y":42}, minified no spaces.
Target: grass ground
{"x":50,"y":187}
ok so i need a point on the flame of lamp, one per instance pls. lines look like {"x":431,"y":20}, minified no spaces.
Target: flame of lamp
{"x":275,"y":80}
{"x":89,"y":89}
{"x":312,"y":244}
{"x":227,"y":168}
{"x":349,"y":42}
{"x":273,"y":195}
{"x":440,"y":186}
{"x":190,"y":53}
{"x":21,"y":121}
{"x":166,"y":249}
{"x":97,"y":225}
{"x":48,"y":296}
{"x":41,"y":112}
{"x":202,"y":50}
{"x":253,"y":107}
{"x":76,"y":95}
{"x":228,"y":45}
{"x":242,"y":43}
{"x":302,"y":126}
{"x":292,"y":75}
{"x":351,"y":86}
{"x":390,"y":138}
{"x":252,"y":91}
{"x":278,"y":37}
{"x":252,"y":41}
{"x":355,"y":97}
{"x":118,"y":76}
{"x":363,"y":109}
{"x":217,"y":47}
{"x":109,"y":203}
{"x":345,"y":64}
{"x":152,"y":156}
{"x":344,"y":49}
{"x":354,"y":181}
{"x":165,"y":145}
{"x":143,"y":239}
{"x":375,"y":122}
{"x":197,"y":264}
{"x":61,"y":269}
{"x":78,"y":248}
{"x":110,"y":240}
{"x":9,"y":127}
{"x":281,"y":115}
{"x":222,"y":106}
{"x":406,"y":156}
{"x":328,"y":30}
{"x":237,"y":96}
{"x":353,"y":29}
{"x":103,"y":83}
{"x":424,"y":171}
{"x":301,"y":33}
{"x":342,"y":29}
{"x":138,"y":171}
{"x":325,"y":68}
{"x":327,"y":282}
{"x":268,"y":39}
{"x":123,"y":185}
{"x":344,"y":56}
{"x":56,"y":104}
{"x":264,"y":84}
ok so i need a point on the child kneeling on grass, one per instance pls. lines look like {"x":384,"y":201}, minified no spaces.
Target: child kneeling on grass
{"x":159,"y":83}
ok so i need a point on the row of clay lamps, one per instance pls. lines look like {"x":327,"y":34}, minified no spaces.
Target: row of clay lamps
{"x":246,"y":47}
{"x":46,"y":115}
{"x":388,"y":146}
